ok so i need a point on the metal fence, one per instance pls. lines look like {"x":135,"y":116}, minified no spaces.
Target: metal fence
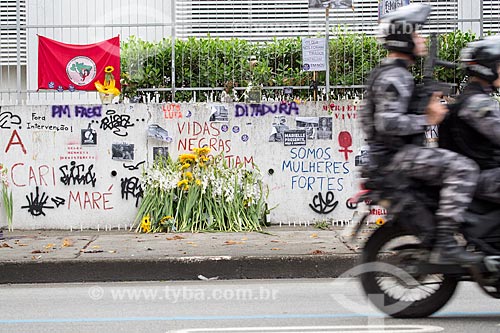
{"x":212,"y":43}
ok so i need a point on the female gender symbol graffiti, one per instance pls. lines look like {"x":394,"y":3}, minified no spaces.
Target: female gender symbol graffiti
{"x":345,"y":141}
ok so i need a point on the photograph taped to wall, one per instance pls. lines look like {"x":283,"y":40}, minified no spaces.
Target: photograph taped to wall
{"x":160,"y":152}
{"x":89,"y":136}
{"x":219,"y":113}
{"x":325,"y":128}
{"x":278,"y":129}
{"x":363,"y":157}
{"x":310,"y":124}
{"x":122,"y":151}
{"x":157,"y":132}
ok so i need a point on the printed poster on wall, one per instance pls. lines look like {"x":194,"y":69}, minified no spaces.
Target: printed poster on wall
{"x":294,"y":138}
{"x":313,"y":54}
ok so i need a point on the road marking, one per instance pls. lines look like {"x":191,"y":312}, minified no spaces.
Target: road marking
{"x":322,"y":329}
{"x":247,"y":317}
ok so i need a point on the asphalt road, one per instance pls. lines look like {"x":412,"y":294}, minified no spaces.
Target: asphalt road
{"x":306,"y":305}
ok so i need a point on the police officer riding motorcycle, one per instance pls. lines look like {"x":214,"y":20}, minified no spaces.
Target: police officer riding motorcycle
{"x":418,"y":186}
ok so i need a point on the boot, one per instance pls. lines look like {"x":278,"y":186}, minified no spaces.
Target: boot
{"x":447,"y":251}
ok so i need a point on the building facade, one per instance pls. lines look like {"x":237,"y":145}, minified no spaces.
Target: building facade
{"x":90,"y":21}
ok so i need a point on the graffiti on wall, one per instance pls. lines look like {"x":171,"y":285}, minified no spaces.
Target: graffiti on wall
{"x":8,"y":120}
{"x":172,"y":111}
{"x":340,"y":111}
{"x":117,"y":123}
{"x":95,"y":200}
{"x":15,"y":140}
{"x":345,"y":141}
{"x":131,"y":186}
{"x":259,"y":110}
{"x":314,"y":169}
{"x":63,"y":158}
{"x":37,"y":203}
{"x":77,"y":174}
{"x":22,"y":175}
{"x":77,"y":111}
{"x":193,"y":134}
{"x":77,"y":152}
{"x":324,"y":205}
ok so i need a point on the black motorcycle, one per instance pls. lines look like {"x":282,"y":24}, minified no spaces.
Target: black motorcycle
{"x":396,"y":274}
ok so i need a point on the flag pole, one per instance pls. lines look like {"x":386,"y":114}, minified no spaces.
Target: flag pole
{"x":18,"y":52}
{"x":173,"y":51}
{"x":315,"y":90}
{"x":327,"y":48}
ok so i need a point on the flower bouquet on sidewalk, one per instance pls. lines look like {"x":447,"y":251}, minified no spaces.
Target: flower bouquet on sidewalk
{"x":198,"y":192}
{"x":6,"y":196}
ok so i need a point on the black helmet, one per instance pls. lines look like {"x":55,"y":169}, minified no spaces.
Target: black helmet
{"x":396,"y":28}
{"x":481,"y":58}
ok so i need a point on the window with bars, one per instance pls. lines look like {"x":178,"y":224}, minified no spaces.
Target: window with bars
{"x":11,"y":45}
{"x":264,"y":19}
{"x":491,"y":12}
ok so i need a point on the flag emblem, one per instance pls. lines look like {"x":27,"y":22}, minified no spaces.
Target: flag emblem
{"x":81,"y":70}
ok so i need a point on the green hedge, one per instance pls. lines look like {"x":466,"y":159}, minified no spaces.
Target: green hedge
{"x":210,"y":62}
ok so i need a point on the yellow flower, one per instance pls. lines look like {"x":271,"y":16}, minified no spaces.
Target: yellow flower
{"x":202,"y":151}
{"x":185,"y":166}
{"x":187,"y":157}
{"x":198,"y":182}
{"x":107,"y":88}
{"x":166,"y":218}
{"x":182,"y":182}
{"x":186,"y":188}
{"x":146,"y":224}
{"x":109,"y":69}
{"x":188,"y":175}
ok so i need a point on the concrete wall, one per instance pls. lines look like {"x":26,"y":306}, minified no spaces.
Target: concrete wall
{"x":58,"y":182}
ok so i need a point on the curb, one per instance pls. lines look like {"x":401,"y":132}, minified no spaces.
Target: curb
{"x":184,"y":268}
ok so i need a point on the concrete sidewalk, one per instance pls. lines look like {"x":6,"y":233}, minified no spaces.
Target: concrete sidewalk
{"x":78,"y":256}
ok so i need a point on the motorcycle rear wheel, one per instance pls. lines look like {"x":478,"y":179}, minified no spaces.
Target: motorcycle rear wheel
{"x":412,"y":295}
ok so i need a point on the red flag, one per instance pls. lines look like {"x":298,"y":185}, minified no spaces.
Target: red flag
{"x":76,"y":67}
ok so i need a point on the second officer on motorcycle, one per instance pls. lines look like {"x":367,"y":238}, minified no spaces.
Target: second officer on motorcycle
{"x":473,"y":126}
{"x":395,"y":131}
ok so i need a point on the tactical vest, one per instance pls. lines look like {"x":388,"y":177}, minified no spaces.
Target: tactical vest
{"x":383,"y":146}
{"x":456,"y":135}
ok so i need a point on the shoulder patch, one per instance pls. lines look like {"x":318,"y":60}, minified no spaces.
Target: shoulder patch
{"x":391,"y":93}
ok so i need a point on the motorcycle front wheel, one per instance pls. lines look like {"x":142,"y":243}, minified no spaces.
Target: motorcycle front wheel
{"x":390,"y":276}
